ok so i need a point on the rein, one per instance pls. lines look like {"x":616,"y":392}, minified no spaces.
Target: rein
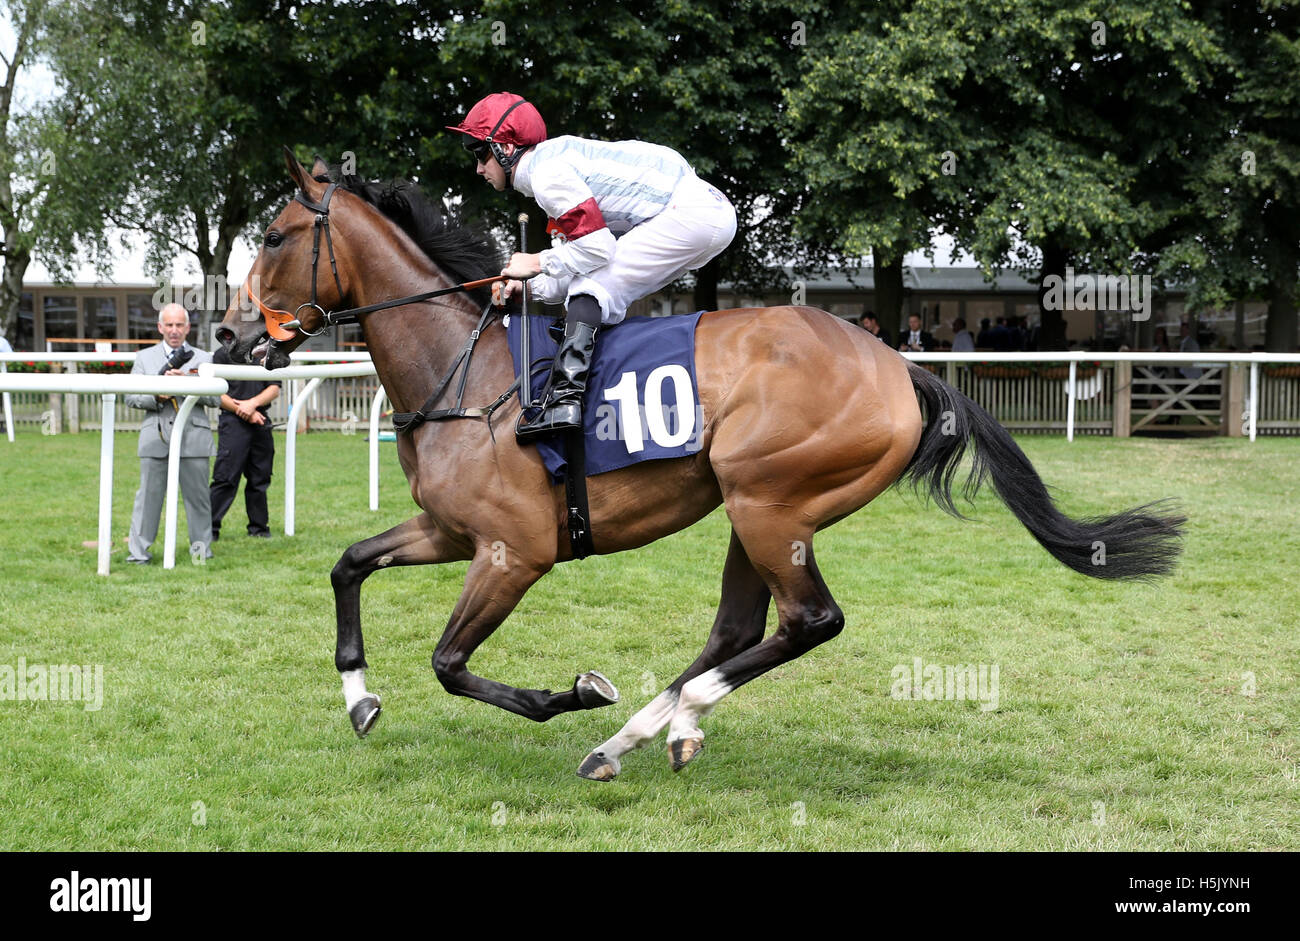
{"x":409,"y":421}
{"x":281,"y":323}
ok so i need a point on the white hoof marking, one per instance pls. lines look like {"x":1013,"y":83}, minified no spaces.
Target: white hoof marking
{"x":354,"y":687}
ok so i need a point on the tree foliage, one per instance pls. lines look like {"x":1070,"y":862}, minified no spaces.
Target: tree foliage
{"x":1239,"y":232}
{"x":1035,"y":133}
{"x":1022,"y":128}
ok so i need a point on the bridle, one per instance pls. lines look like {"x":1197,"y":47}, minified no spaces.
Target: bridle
{"x":322,"y":224}
{"x":280,"y":323}
{"x":284,"y":322}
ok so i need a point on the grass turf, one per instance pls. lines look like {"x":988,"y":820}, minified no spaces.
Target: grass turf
{"x":1130,"y":716}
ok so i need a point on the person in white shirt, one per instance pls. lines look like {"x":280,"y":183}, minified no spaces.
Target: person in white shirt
{"x":628,"y":217}
{"x":962,"y":341}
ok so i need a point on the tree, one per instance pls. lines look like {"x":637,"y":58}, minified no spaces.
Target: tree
{"x":873,"y":131}
{"x":1240,"y":232}
{"x":1004,"y":126}
{"x":20,"y":185}
{"x":178,"y":137}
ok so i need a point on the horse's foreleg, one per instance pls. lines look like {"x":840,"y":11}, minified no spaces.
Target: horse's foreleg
{"x":493,"y":587}
{"x":742,"y":615}
{"x":418,"y":541}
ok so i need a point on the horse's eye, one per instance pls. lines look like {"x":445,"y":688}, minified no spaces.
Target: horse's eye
{"x":273,"y":239}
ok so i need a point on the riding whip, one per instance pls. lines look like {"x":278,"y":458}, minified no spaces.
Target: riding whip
{"x":525,"y":353}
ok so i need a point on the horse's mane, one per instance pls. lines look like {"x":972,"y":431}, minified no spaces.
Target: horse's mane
{"x":460,"y":248}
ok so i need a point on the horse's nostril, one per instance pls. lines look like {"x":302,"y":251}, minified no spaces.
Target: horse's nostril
{"x":225,"y":336}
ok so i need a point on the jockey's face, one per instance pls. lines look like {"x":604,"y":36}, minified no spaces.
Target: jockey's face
{"x":493,"y":172}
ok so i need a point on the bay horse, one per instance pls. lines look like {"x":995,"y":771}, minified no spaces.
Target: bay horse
{"x":806,"y":419}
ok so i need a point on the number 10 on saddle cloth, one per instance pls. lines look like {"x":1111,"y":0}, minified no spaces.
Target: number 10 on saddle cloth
{"x":642,"y":400}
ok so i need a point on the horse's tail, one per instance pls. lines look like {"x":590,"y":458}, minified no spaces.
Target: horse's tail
{"x":1139,"y":543}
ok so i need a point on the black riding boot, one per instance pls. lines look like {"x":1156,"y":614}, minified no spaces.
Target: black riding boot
{"x":562,"y":402}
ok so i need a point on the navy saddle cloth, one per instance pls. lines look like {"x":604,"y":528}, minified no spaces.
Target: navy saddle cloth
{"x":642,"y":401}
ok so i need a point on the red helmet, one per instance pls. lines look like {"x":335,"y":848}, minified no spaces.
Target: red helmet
{"x":503,"y":118}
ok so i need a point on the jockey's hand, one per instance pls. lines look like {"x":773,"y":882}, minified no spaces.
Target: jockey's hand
{"x":502,"y":291}
{"x":523,"y":266}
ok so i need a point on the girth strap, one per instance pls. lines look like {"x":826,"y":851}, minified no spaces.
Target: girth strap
{"x":575,"y":492}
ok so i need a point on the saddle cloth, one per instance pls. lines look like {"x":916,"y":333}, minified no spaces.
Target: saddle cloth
{"x":642,"y":401}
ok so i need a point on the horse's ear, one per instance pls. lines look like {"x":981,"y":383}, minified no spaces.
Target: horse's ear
{"x":300,"y":176}
{"x":320,"y":170}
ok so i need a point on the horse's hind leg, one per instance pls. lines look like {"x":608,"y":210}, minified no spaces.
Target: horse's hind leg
{"x":807,"y":614}
{"x":418,"y":541}
{"x":742,"y":616}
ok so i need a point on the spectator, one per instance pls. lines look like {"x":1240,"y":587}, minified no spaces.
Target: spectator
{"x":983,"y":341}
{"x":914,"y":339}
{"x":962,"y":341}
{"x":245,"y":448}
{"x":1161,"y":341}
{"x":1001,"y":338}
{"x":1019,"y":333}
{"x":872,"y":325}
{"x":155,"y":436}
{"x":1031,"y":335}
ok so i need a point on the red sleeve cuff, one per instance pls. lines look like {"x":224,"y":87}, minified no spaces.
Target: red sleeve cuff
{"x":581,"y":220}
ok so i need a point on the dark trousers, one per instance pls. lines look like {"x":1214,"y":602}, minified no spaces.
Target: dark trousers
{"x":248,"y":451}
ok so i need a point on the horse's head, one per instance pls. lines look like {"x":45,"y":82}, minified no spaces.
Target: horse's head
{"x":292,"y":281}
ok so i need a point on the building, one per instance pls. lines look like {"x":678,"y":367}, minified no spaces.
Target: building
{"x":938,"y":295}
{"x":72,"y":317}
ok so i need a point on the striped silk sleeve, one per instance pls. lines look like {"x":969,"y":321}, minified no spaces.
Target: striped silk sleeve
{"x":570,"y":204}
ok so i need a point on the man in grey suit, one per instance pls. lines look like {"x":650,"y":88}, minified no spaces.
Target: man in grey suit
{"x":155,"y":439}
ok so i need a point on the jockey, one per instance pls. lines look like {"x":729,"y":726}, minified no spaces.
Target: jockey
{"x":627,"y":218}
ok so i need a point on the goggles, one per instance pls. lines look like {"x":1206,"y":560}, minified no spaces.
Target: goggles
{"x":479,"y":148}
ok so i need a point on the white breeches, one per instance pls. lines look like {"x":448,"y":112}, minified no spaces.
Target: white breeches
{"x":696,"y":226}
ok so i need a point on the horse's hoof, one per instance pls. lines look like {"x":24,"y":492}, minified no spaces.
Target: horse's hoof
{"x":595,"y":690}
{"x":364,"y":714}
{"x":683,"y":750}
{"x":598,"y":768}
